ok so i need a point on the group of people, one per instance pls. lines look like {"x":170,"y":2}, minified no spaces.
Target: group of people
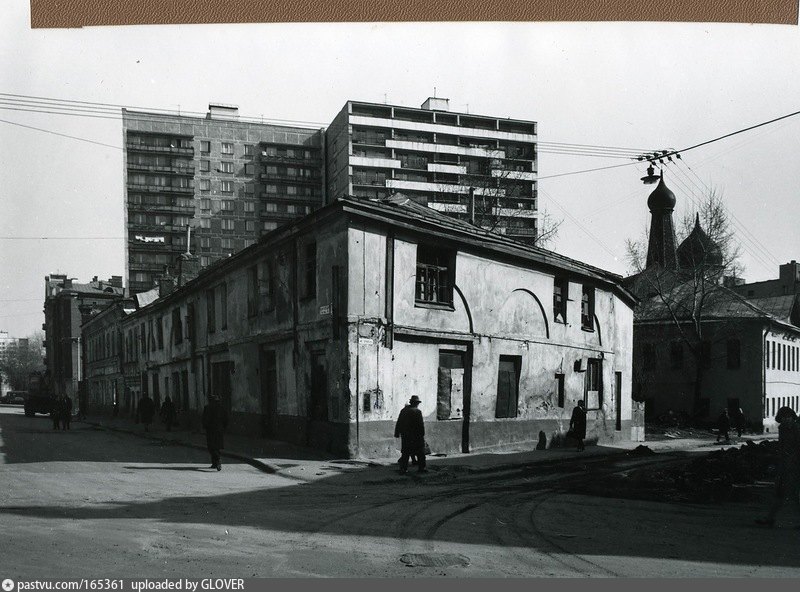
{"x":146,"y":411}
{"x":61,"y":412}
{"x":725,"y":422}
{"x":215,"y":422}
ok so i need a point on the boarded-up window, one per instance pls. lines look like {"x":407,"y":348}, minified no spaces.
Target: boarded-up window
{"x":508,"y":386}
{"x":560,"y":390}
{"x":450,"y":389}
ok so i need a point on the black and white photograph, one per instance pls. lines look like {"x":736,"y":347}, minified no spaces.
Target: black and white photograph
{"x":398,"y":300}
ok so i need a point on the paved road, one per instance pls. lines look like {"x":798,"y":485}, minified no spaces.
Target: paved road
{"x":96,"y":503}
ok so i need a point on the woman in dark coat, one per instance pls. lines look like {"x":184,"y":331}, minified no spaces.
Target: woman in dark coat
{"x":577,"y":424}
{"x":215,"y":420}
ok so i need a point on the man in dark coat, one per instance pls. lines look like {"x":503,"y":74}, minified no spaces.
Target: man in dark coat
{"x":410,"y":428}
{"x":215,"y":420}
{"x":724,"y":425}
{"x":739,"y":421}
{"x":66,"y":413}
{"x":577,"y":425}
{"x":55,"y":412}
{"x":146,"y":411}
{"x":168,"y":413}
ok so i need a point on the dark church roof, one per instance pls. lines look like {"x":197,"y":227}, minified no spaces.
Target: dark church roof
{"x":662,"y":197}
{"x":698,"y":249}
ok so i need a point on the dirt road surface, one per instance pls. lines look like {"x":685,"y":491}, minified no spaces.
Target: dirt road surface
{"x":91,"y":502}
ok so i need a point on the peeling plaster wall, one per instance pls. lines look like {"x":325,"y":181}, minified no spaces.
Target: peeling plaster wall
{"x":499,"y":309}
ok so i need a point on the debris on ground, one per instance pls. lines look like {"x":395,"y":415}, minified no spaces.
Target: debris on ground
{"x":720,"y":476}
{"x":641,"y":450}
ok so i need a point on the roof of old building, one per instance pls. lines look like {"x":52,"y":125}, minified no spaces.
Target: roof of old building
{"x":99,"y":288}
{"x":782,"y":307}
{"x":718,"y":302}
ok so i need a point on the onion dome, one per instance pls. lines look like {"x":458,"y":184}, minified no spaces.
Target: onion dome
{"x":698,"y":249}
{"x":661,"y":198}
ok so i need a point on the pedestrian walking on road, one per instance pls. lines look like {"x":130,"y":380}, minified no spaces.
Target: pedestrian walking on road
{"x":146,"y":411}
{"x":410,"y":428}
{"x":82,"y":404}
{"x":66,"y":413}
{"x":577,"y":425}
{"x":168,"y":413}
{"x":215,"y":421}
{"x":739,"y":422}
{"x":787,"y":485}
{"x":55,"y":412}
{"x":724,"y":426}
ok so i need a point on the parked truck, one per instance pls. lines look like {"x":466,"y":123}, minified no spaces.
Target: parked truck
{"x":40,"y":395}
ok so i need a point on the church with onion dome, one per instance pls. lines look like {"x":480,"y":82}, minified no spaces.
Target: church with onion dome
{"x":699,"y":346}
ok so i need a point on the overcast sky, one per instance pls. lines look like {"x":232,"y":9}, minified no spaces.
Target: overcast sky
{"x":648,"y":86}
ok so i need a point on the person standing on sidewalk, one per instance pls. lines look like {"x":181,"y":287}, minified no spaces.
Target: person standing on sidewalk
{"x":577,"y":425}
{"x":168,"y":413}
{"x":146,"y":411}
{"x":787,"y":485}
{"x":410,"y":428}
{"x":66,"y":413}
{"x":739,"y":422}
{"x":55,"y":412}
{"x":215,"y":421}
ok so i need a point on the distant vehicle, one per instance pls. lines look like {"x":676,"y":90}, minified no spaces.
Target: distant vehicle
{"x":40,"y":397}
{"x":16,"y":397}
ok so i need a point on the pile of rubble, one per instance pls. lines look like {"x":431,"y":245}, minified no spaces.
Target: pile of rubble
{"x":720,"y":476}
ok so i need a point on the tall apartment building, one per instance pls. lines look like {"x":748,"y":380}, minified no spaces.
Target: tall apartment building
{"x":440,"y":159}
{"x":227,"y":178}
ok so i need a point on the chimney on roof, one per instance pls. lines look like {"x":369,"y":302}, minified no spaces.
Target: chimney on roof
{"x":222,"y":111}
{"x":68,"y":283}
{"x":115,"y":281}
{"x":166,"y":283}
{"x":188,"y":268}
{"x":436,"y":104}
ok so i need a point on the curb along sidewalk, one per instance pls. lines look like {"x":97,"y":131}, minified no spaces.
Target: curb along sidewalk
{"x":288,"y":460}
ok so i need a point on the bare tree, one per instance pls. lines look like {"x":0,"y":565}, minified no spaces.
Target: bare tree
{"x":687,"y":298}
{"x":20,"y":361}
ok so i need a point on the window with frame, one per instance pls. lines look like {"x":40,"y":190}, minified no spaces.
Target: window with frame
{"x":508,"y":386}
{"x":310,"y":267}
{"x":205,"y":260}
{"x":271,"y":188}
{"x":205,"y":147}
{"x":205,"y":166}
{"x":291,"y":190}
{"x":249,"y":206}
{"x":676,"y":355}
{"x":205,"y":222}
{"x":227,"y":224}
{"x":560,"y":298}
{"x":226,"y":186}
{"x":211,"y":316}
{"x":226,"y":243}
{"x":226,"y":167}
{"x":587,"y":308}
{"x":143,"y":336}
{"x":226,"y":148}
{"x":227,"y":205}
{"x":205,"y":204}
{"x":250,"y":225}
{"x":223,"y":306}
{"x":269,"y":282}
{"x":269,"y":225}
{"x":249,"y":149}
{"x":160,"y":332}
{"x":734,"y":354}
{"x":177,"y":327}
{"x":560,"y":393}
{"x":594,"y":383}
{"x":205,"y":184}
{"x":249,"y":189}
{"x":435,"y":275}
{"x":252,"y":291}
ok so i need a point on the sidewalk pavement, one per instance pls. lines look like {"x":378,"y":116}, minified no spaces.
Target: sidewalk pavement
{"x":306,"y":464}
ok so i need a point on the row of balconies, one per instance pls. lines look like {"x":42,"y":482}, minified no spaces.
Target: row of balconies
{"x":182,"y":170}
{"x":162,"y":149}
{"x":160,"y":188}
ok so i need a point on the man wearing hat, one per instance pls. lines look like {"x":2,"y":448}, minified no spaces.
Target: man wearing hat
{"x":410,"y":428}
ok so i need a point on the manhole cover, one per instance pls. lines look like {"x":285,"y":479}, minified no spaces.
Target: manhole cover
{"x":434,"y":560}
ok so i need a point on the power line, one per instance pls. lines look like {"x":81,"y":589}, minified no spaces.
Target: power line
{"x":62,"y":238}
{"x":47,"y":131}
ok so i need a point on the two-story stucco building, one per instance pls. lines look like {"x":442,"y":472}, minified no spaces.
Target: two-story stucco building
{"x":320,"y":333}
